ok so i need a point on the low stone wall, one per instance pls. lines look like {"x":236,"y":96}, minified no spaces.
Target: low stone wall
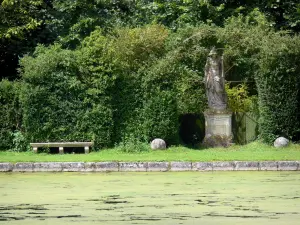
{"x":149,"y":166}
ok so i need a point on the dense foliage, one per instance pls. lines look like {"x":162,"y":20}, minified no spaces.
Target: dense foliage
{"x":61,"y":102}
{"x":10,"y":112}
{"x":126,"y":71}
{"x":25,"y":23}
{"x":278,"y":87}
{"x":112,"y":88}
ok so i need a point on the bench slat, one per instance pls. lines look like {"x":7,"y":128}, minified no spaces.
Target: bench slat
{"x":62,"y":144}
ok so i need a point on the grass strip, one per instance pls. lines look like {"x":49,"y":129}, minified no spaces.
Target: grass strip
{"x":254,"y":151}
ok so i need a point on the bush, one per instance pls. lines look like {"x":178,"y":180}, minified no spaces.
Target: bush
{"x":131,"y":53}
{"x":132,"y":145}
{"x":239,"y":99}
{"x":62,"y":103}
{"x":138,"y":82}
{"x":161,"y":117}
{"x":20,"y":143}
{"x":278,"y":86}
{"x":271,"y":60}
{"x":91,"y":93}
{"x":10,"y":111}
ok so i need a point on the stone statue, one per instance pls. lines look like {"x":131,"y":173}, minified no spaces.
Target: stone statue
{"x":218,"y":119}
{"x":215,"y":82}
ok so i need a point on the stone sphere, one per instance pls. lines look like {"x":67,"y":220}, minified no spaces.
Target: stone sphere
{"x":157,"y":144}
{"x":281,"y":142}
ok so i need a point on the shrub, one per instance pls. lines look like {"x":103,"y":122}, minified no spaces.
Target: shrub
{"x":20,"y":143}
{"x":10,"y":111}
{"x":132,"y":52}
{"x":239,"y":99}
{"x":161,"y":117}
{"x":138,"y":82}
{"x":132,"y":145}
{"x":62,"y":103}
{"x":92,"y":93}
{"x":277,"y":81}
{"x":253,"y":51}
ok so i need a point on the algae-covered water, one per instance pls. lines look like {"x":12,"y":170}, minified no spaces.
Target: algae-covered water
{"x":150,"y":198}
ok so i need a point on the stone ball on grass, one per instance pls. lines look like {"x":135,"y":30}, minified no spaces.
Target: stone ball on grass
{"x":158,"y":144}
{"x":281,"y":142}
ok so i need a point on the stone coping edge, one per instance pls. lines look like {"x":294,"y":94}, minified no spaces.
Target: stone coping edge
{"x":150,"y":166}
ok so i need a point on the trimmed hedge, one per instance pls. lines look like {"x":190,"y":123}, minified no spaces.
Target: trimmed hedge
{"x":10,"y":111}
{"x":271,"y":59}
{"x":135,"y":84}
{"x":278,"y":82}
{"x":61,"y":102}
{"x":127,"y":85}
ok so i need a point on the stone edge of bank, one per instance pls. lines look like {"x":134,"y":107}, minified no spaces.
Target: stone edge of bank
{"x":150,"y":166}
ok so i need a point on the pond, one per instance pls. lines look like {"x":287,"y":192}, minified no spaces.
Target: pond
{"x":150,"y":198}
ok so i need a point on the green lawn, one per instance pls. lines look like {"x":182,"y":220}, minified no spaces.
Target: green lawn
{"x":252,"y":152}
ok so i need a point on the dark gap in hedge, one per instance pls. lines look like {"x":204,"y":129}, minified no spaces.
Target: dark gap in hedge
{"x":192,"y":129}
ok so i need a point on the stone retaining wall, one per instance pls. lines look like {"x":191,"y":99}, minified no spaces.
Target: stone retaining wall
{"x":149,"y":166}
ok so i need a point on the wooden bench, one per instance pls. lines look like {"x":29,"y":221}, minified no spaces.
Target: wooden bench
{"x":61,"y":146}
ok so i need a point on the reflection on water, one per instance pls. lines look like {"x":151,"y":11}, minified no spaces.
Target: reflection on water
{"x":150,"y":198}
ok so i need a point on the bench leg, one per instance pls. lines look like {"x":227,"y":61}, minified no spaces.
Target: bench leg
{"x":34,"y":149}
{"x":61,"y":150}
{"x":86,"y":149}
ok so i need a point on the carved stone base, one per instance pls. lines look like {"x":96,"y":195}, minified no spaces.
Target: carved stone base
{"x":218,"y":128}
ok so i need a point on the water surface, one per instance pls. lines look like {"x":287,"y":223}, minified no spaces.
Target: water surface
{"x":150,"y":198}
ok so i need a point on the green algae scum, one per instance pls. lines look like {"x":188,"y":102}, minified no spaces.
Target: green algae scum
{"x":150,"y":198}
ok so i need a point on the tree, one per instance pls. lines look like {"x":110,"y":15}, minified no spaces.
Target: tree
{"x":22,"y":26}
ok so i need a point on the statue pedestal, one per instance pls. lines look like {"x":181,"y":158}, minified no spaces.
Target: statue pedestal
{"x":218,"y":128}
